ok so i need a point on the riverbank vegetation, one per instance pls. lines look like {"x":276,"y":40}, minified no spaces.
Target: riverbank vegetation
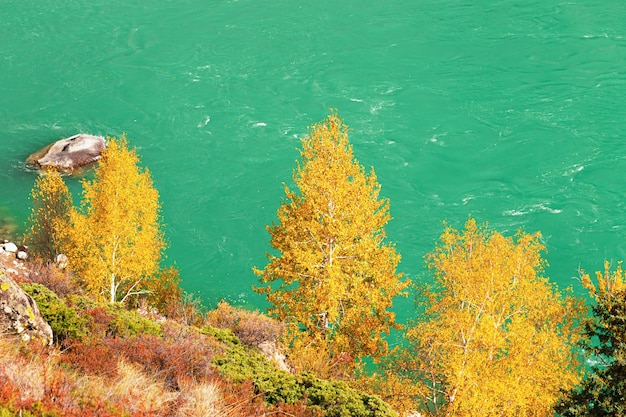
{"x":492,"y":336}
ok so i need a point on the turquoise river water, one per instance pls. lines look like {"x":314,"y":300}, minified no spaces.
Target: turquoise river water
{"x":510,"y":111}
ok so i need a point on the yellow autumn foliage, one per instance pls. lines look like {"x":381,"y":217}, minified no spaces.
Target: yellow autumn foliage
{"x":115,"y":241}
{"x":498,"y":338}
{"x":335,"y":274}
{"x":52,"y":204}
{"x":609,"y":283}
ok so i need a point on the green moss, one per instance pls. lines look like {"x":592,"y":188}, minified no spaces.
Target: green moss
{"x":31,"y":314}
{"x":64,"y":321}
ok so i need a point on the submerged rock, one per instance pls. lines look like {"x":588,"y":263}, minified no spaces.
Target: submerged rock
{"x":69,"y":154}
{"x":19,"y":313}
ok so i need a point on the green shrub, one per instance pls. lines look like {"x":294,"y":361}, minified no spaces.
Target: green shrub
{"x":279,"y":387}
{"x":67,"y":323}
{"x":64,"y":321}
{"x":337,"y":399}
{"x":241,"y":365}
{"x":225,"y":336}
{"x":5,"y":412}
{"x":128,"y":323}
{"x":36,"y":410}
{"x":331,"y":398}
{"x":81,"y":302}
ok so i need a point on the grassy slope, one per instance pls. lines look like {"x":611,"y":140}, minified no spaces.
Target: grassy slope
{"x":112,"y":361}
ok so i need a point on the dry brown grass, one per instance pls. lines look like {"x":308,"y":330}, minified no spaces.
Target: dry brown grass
{"x":30,"y":373}
{"x":203,"y":399}
{"x":40,"y":378}
{"x":131,"y":391}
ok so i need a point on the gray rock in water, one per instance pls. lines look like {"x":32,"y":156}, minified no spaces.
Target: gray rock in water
{"x":69,"y":154}
{"x":19,"y":313}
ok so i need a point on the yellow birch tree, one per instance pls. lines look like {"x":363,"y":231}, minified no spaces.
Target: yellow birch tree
{"x":497,"y":338}
{"x":52,"y":205}
{"x":335,"y":274}
{"x":115,"y":241}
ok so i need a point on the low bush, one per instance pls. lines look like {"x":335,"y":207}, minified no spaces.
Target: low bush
{"x":99,"y":321}
{"x":185,"y":359}
{"x":49,"y":274}
{"x":64,"y":321}
{"x":242,"y":401}
{"x":80,"y":302}
{"x":92,"y":358}
{"x":128,"y":323}
{"x":251,"y":327}
{"x":164,"y":289}
{"x":337,"y":399}
{"x":330,"y":398}
{"x":187,"y":310}
{"x":225,"y":336}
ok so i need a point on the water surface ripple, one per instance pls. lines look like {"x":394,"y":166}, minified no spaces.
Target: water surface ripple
{"x":511,"y":112}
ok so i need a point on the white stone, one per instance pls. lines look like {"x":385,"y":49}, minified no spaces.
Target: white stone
{"x":10,"y":247}
{"x":22,"y":255}
{"x":61,"y":260}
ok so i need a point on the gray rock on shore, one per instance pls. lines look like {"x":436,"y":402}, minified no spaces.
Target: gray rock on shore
{"x":19,"y":314}
{"x":9,"y":247}
{"x":69,"y":154}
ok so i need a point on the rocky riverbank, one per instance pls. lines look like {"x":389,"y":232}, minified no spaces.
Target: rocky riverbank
{"x":19,"y":313}
{"x":12,"y":258}
{"x":9,"y":248}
